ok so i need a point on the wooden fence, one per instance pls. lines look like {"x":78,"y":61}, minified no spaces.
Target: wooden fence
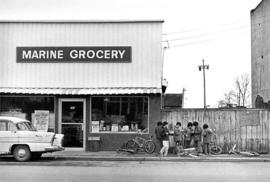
{"x":248,"y":128}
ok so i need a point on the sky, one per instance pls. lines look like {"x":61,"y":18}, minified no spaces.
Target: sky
{"x":217,"y":31}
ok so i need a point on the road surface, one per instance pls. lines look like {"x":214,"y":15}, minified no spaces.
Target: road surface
{"x":123,"y":171}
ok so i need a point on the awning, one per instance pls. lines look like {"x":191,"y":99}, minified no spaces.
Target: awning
{"x":81,"y":91}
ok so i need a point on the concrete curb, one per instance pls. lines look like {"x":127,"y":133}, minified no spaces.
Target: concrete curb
{"x":76,"y":160}
{"x":119,"y":156}
{"x":165,"y":159}
{"x":111,"y":156}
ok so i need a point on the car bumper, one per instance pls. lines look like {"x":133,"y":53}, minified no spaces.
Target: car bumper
{"x":54,"y":149}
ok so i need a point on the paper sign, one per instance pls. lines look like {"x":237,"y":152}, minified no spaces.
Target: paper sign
{"x":114,"y":127}
{"x":41,"y":120}
{"x":95,"y":126}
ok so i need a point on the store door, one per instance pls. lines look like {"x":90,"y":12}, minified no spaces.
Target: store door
{"x":72,"y":122}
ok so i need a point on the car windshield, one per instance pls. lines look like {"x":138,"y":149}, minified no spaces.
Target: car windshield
{"x":25,"y":126}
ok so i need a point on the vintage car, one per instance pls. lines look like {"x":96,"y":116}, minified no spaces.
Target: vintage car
{"x":19,"y":138}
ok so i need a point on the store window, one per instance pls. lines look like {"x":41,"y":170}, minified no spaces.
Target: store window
{"x":25,"y":108}
{"x":119,"y":114}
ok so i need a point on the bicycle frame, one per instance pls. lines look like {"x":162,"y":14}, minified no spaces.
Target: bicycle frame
{"x":140,"y":141}
{"x":233,"y":150}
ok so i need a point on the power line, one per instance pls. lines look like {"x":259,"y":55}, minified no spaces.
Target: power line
{"x":195,"y":29}
{"x":222,"y":25}
{"x":200,"y":42}
{"x":218,"y":32}
{"x":209,"y":34}
{"x":203,"y":35}
{"x":207,"y":40}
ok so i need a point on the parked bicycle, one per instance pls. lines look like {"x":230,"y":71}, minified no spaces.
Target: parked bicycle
{"x":214,"y":147}
{"x":139,"y":143}
{"x":233,"y":150}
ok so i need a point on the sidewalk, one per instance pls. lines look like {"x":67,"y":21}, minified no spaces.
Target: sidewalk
{"x":122,"y":156}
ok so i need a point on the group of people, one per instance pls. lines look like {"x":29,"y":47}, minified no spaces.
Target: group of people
{"x":191,"y":136}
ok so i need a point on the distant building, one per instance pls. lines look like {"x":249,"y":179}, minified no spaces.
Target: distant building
{"x":260,"y":53}
{"x":173,"y":101}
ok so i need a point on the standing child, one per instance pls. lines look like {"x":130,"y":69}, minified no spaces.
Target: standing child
{"x":165,"y":140}
{"x":188,"y":132}
{"x":207,"y":132}
{"x":197,"y":136}
{"x":178,"y":138}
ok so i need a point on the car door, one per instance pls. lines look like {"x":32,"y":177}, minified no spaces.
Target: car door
{"x":37,"y":141}
{"x":8,"y":135}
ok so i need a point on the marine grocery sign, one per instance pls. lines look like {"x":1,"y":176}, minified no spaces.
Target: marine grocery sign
{"x":73,"y":54}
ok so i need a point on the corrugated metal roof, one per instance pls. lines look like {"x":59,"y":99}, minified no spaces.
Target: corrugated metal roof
{"x":80,"y":91}
{"x":81,"y":21}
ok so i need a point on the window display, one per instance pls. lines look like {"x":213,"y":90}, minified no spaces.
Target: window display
{"x":25,"y":107}
{"x":119,"y":114}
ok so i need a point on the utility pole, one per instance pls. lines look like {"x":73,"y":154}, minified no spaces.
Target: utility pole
{"x":203,"y":67}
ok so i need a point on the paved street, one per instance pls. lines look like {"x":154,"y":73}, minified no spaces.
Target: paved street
{"x":122,"y":171}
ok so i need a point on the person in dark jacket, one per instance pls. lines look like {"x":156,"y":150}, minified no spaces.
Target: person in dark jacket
{"x":188,"y":132}
{"x":165,"y":140}
{"x":207,"y":133}
{"x":197,"y":136}
{"x":158,"y":133}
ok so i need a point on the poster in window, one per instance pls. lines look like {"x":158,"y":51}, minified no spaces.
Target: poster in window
{"x":114,"y":127}
{"x":95,"y":126}
{"x":41,"y":120}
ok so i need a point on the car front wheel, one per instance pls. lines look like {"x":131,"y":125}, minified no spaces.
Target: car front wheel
{"x":22,"y":153}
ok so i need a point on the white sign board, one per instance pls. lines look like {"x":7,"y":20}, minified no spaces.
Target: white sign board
{"x":114,"y":127}
{"x":95,"y":126}
{"x":41,"y":120}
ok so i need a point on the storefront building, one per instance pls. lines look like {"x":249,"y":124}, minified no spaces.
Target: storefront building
{"x":95,"y":79}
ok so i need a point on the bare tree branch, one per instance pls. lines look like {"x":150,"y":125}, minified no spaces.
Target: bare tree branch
{"x":238,"y":96}
{"x":242,"y":85}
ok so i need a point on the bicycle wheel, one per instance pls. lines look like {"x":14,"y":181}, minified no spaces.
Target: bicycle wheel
{"x":149,"y":147}
{"x":130,"y":144}
{"x":215,"y":149}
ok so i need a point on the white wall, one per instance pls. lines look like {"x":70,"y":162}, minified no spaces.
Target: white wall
{"x":143,"y":71}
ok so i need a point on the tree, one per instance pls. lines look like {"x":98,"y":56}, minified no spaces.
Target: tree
{"x":230,"y":97}
{"x":242,"y":84}
{"x":228,"y":100}
{"x":238,"y":96}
